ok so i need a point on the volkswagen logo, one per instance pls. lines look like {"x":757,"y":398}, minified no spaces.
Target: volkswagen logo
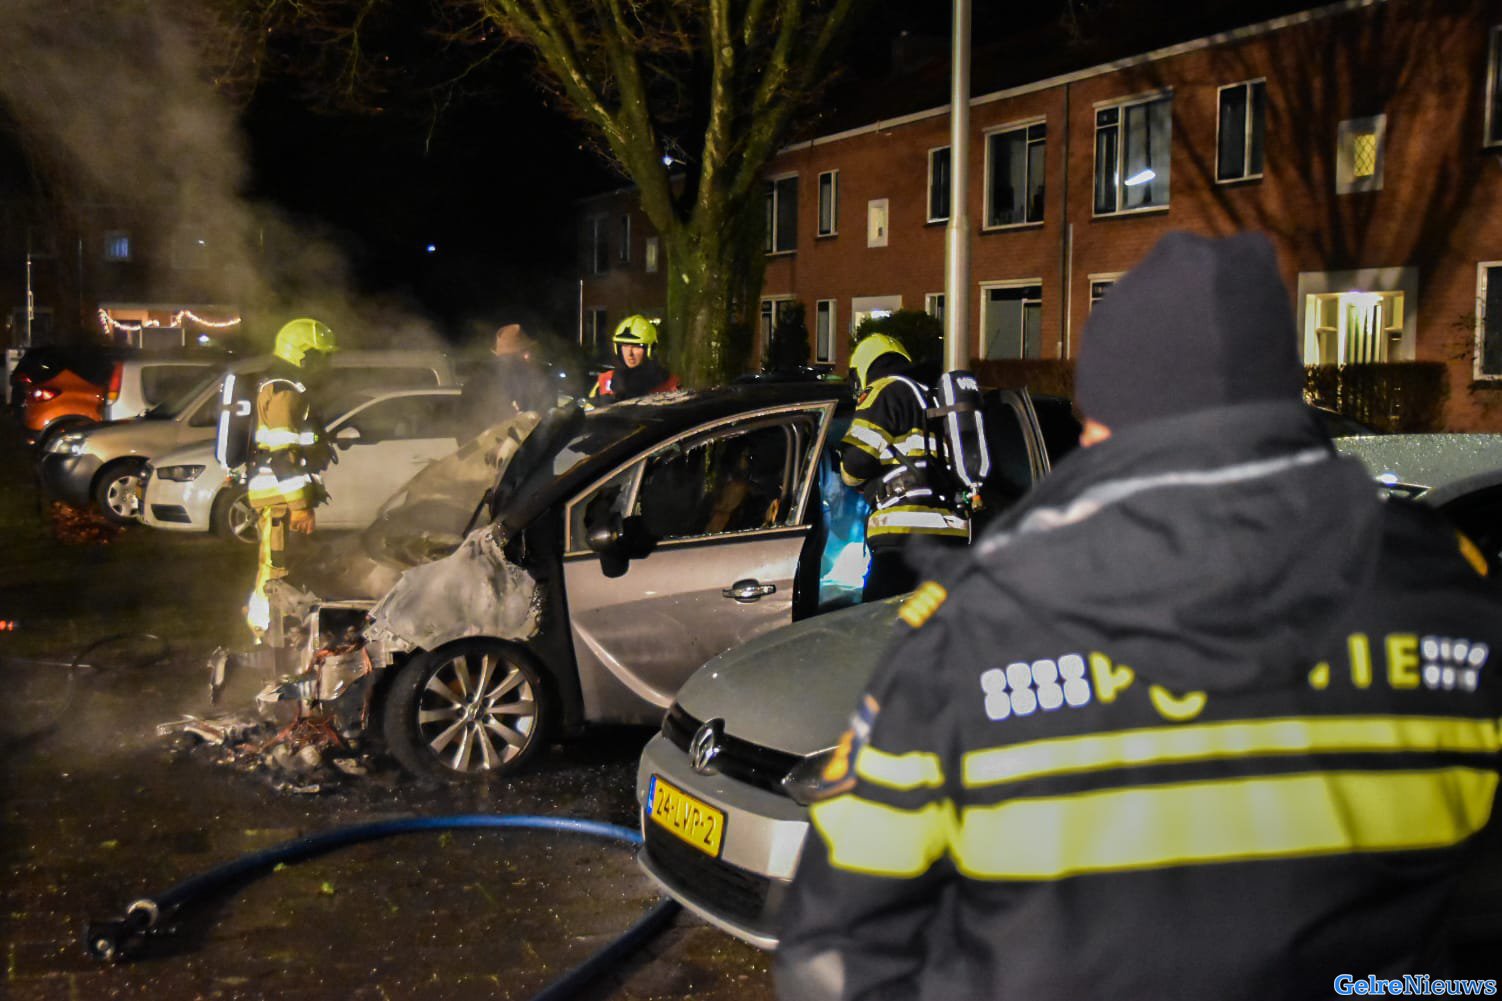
{"x":705,"y":746}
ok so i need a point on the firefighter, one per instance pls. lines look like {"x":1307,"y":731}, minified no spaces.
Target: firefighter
{"x":289,"y":451}
{"x":1203,"y":717}
{"x":892,"y":456}
{"x":636,"y":372}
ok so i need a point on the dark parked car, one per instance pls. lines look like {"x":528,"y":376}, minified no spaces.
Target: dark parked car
{"x":622,"y":549}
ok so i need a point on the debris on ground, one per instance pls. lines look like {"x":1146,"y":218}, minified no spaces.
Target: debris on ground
{"x":79,"y":526}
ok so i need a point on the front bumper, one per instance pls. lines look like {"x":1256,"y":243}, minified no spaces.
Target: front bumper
{"x":742,"y":891}
{"x":180,"y":506}
{"x":69,"y":478}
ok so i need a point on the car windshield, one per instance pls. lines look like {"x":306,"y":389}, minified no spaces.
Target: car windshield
{"x":177,"y":404}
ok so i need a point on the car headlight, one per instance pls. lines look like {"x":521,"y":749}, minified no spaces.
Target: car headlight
{"x":68,"y":444}
{"x":805,"y":781}
{"x":179,"y":474}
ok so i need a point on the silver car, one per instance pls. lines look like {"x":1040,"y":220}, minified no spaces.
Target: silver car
{"x":722,"y":786}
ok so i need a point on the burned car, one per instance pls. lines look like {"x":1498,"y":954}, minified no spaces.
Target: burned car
{"x":614,"y":551}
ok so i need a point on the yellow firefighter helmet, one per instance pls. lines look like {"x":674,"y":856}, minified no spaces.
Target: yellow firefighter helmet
{"x":297,"y":338}
{"x":872,"y":347}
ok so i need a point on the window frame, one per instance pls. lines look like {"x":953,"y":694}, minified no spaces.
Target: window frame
{"x":1246,"y":132}
{"x":774,"y":213}
{"x":883,"y":206}
{"x":1491,"y":136}
{"x":111,"y":238}
{"x":1109,"y":277}
{"x":834,"y":326}
{"x":599,"y":245}
{"x":985,"y":304}
{"x":651,"y":254}
{"x":1480,"y":343}
{"x":930,"y":300}
{"x":1024,"y":126}
{"x":834,"y":207}
{"x":1121,"y":104}
{"x":623,"y":252}
{"x":1347,"y":182}
{"x":948,"y":188}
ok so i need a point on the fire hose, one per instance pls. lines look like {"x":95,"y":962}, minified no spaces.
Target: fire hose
{"x":117,"y":939}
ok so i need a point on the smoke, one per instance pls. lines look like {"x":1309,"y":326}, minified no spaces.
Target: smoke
{"x":125,"y":110}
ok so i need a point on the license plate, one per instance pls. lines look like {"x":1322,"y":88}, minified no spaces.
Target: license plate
{"x":690,"y":819}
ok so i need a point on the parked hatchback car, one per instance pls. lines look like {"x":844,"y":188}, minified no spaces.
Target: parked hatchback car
{"x":723,"y":786}
{"x":380,"y":438}
{"x":102,"y":465}
{"x":110,"y":384}
{"x":622,"y":548}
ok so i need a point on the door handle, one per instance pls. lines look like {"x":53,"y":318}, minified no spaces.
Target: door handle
{"x":748,"y":590}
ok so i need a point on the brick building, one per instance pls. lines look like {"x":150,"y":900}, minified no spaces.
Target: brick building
{"x":1364,"y":137}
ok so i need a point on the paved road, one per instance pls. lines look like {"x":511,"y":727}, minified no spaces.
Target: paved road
{"x":99,"y":811}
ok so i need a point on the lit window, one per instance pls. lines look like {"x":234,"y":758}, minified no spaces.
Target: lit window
{"x":1359,"y":154}
{"x":938,"y":184}
{"x":782,"y":215}
{"x":649,"y":255}
{"x":1014,"y":175}
{"x":117,"y":245}
{"x":1494,"y":90}
{"x":1132,"y":155}
{"x":933,"y":305}
{"x":1242,"y":126}
{"x":1489,"y":320}
{"x":1356,"y":328}
{"x":876,"y":222}
{"x":1012,"y":321}
{"x":824,"y":324}
{"x":623,"y":252}
{"x":829,"y":202}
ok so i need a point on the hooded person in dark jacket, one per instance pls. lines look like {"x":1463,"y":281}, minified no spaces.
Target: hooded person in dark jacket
{"x":1203,"y":717}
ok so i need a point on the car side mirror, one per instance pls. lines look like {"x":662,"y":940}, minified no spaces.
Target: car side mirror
{"x":347,"y":436}
{"x":605,"y":537}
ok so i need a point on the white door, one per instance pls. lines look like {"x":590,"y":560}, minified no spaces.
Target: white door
{"x":381,"y":446}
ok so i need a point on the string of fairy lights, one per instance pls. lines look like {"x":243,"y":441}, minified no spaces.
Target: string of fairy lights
{"x":110,"y":324}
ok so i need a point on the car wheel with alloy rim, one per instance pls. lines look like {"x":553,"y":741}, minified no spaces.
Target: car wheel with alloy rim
{"x":117,"y":490}
{"x":232,"y":516}
{"x":473,"y":710}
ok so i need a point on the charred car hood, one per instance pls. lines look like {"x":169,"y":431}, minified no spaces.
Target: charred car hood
{"x":793,"y":689}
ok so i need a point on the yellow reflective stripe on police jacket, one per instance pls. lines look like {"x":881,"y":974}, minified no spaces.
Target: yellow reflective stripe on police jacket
{"x":879,"y":840}
{"x":913,"y":770}
{"x":1241,"y":738}
{"x":1283,"y":816}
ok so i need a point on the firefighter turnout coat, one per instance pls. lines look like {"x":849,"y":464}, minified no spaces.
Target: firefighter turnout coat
{"x":1202,"y":718}
{"x":891,"y":454}
{"x":288,"y":452}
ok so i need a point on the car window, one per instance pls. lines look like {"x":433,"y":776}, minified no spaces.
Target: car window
{"x":735,"y":481}
{"x":611,"y":499}
{"x":345,"y":379}
{"x":1011,"y":466}
{"x":1061,"y":428}
{"x":206,"y":414}
{"x":406,"y":417}
{"x":162,"y":382}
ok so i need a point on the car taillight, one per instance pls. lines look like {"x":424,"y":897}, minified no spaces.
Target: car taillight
{"x":43,"y":393}
{"x":113,"y":393}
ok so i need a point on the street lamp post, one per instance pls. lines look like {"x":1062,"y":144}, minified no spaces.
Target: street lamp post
{"x":957,"y":232}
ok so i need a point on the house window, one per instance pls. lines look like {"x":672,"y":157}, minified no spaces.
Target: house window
{"x":1099,"y":286}
{"x":829,"y":202}
{"x":1132,"y":150}
{"x":824,"y":326}
{"x":649,"y":255}
{"x":933,"y":305}
{"x":1014,"y":175}
{"x":876,"y":222}
{"x":624,"y":250}
{"x":1355,"y":328}
{"x":596,"y":333}
{"x":782,"y":215}
{"x":1359,"y":153}
{"x":599,"y":242}
{"x":1012,"y":324}
{"x":1489,"y":320}
{"x":117,"y":245}
{"x":1494,"y":90}
{"x":1241,"y":128}
{"x":772,"y":313}
{"x":938,"y":184}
